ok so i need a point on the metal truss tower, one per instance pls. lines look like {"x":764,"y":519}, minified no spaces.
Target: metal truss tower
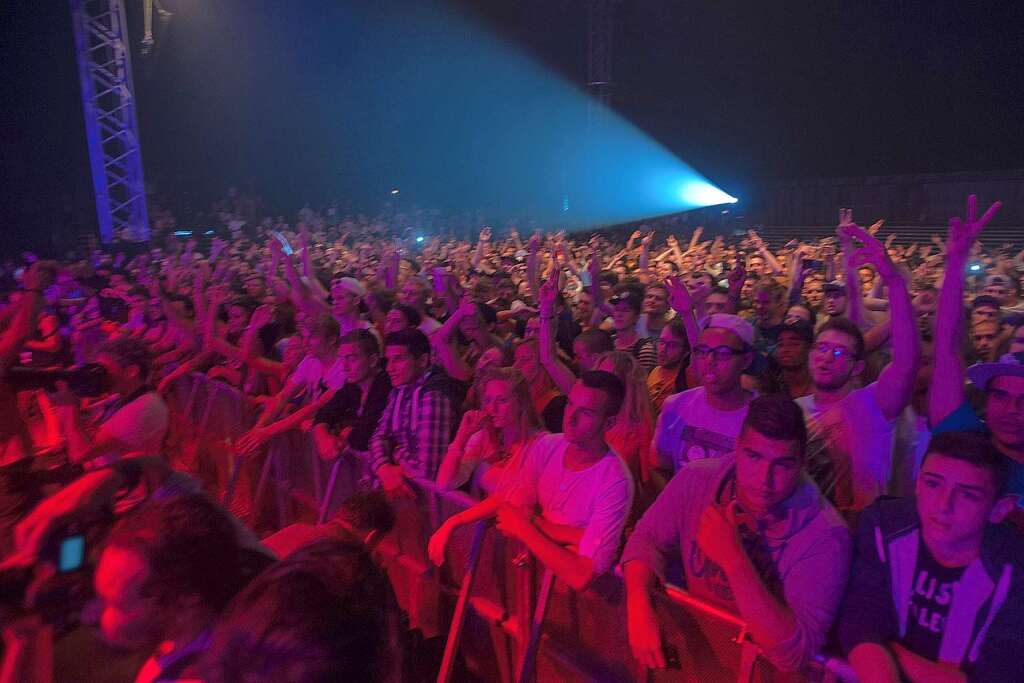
{"x":108,"y":101}
{"x":599,"y":50}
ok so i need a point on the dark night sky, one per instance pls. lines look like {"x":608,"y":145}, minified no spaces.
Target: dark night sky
{"x":745,"y":92}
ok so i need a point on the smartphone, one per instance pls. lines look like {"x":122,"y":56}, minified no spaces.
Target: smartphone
{"x":815,"y":264}
{"x":72,"y":553}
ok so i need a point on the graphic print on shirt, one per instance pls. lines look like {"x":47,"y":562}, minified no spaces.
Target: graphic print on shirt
{"x":932,"y":594}
{"x":698,"y":443}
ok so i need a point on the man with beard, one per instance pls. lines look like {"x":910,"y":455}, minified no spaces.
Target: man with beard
{"x":851,"y":429}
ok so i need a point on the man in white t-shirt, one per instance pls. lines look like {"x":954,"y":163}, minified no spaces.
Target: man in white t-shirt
{"x":704,"y":422}
{"x":570,"y":499}
{"x":346,"y":293}
{"x":850,"y":430}
{"x":133,"y":419}
{"x":320,"y":374}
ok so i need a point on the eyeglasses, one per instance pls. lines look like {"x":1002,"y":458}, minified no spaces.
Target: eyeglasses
{"x":720,"y":354}
{"x":666,"y":342}
{"x":837,"y":352}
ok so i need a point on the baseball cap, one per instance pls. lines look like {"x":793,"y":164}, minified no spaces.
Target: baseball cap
{"x":629,"y":296}
{"x":352,"y":285}
{"x":1011,"y":364}
{"x":799,"y":328}
{"x":986,"y":300}
{"x":998,"y":280}
{"x":519,"y":307}
{"x":834,"y":286}
{"x":735,"y":324}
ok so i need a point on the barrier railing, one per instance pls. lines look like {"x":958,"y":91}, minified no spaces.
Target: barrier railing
{"x":506,"y":619}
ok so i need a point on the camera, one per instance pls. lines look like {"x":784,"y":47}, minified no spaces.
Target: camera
{"x":87,"y":380}
{"x":59,"y":584}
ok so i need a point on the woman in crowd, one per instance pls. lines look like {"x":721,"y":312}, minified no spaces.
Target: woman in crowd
{"x":548,"y":401}
{"x":490,"y":441}
{"x":633,"y":430}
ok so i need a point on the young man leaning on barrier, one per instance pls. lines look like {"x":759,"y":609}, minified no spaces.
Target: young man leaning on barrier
{"x":570,"y":499}
{"x":754,"y":533}
{"x":936,"y":592}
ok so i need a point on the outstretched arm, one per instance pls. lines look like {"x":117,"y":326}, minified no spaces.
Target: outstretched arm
{"x":559,"y":372}
{"x":946,"y":393}
{"x":896,"y":382}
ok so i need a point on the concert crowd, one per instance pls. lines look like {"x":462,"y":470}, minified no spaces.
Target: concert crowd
{"x":825,"y":438}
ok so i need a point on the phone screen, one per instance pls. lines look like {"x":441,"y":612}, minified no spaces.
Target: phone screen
{"x":72,"y":553}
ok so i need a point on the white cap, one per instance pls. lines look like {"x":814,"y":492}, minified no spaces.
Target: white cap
{"x":735,"y":324}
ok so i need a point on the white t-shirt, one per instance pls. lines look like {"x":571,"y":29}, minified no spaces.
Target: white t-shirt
{"x":428,"y":325}
{"x":140,"y":425}
{"x":690,"y":429}
{"x":597,"y":499}
{"x":855,"y":440}
{"x":314,"y":379}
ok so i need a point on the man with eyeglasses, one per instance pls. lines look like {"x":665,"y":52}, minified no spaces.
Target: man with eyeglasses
{"x":704,"y":422}
{"x":851,"y":428}
{"x":669,"y":376}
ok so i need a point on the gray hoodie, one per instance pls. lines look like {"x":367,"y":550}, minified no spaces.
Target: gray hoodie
{"x":803,"y":557}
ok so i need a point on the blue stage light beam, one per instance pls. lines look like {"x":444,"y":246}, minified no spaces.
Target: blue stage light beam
{"x":412,"y":96}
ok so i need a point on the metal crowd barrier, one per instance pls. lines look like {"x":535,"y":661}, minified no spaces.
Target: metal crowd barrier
{"x":506,"y":618}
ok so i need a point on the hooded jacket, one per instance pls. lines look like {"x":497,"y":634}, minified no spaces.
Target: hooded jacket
{"x":985,"y":623}
{"x":803,"y":556}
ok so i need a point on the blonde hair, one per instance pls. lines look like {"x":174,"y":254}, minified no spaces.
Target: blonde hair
{"x":528,"y":420}
{"x":636,"y":408}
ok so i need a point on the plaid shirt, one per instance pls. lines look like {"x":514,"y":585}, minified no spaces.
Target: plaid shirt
{"x":414,"y":429}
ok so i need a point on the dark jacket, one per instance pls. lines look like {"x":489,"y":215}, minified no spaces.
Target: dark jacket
{"x":343,"y":410}
{"x":986,"y":617}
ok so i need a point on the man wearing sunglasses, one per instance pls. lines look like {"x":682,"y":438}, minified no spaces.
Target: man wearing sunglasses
{"x":851,"y":428}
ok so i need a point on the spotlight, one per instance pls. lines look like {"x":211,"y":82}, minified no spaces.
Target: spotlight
{"x":394,"y":192}
{"x":419,"y":238}
{"x":700,"y":193}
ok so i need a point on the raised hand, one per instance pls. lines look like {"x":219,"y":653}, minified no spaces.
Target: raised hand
{"x":467,"y":307}
{"x":472,"y":422}
{"x":678,"y":295}
{"x":485,"y":234}
{"x":635,"y":236}
{"x":737,"y":276}
{"x":964,"y":231}
{"x":872,"y":252}
{"x":261,"y":316}
{"x":40,"y":275}
{"x":647,"y":239}
{"x":533,"y":246}
{"x":548,"y":295}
